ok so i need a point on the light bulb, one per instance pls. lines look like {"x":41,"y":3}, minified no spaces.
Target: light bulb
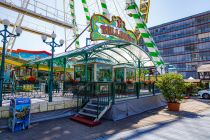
{"x":6,"y":22}
{"x":18,"y":30}
{"x":61,"y":41}
{"x":44,"y":37}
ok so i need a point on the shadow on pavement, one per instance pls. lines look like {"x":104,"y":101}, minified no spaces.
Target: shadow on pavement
{"x":138,"y":133}
{"x":185,"y":114}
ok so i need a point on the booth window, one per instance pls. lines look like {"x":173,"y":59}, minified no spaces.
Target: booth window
{"x":130,"y":74}
{"x":104,"y":73}
{"x":79,"y":73}
{"x":119,"y":74}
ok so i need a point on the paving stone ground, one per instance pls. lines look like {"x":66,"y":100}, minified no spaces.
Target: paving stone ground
{"x":65,"y":129}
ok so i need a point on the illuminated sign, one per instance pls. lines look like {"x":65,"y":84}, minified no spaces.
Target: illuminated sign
{"x":104,"y":29}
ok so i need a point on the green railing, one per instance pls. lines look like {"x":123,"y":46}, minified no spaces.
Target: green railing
{"x":99,"y":92}
{"x":84,"y":92}
{"x":125,"y":90}
{"x":103,"y":93}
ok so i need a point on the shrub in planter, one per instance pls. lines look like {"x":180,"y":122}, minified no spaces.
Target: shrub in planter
{"x":172,"y":86}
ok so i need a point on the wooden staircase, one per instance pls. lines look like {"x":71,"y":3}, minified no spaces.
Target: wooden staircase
{"x":92,"y":112}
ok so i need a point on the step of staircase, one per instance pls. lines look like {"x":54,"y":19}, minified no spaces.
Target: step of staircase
{"x":95,"y":105}
{"x":91,"y":112}
{"x":84,"y":120}
{"x":87,"y":114}
{"x":90,"y":109}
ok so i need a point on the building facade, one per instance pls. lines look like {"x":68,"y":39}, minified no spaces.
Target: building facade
{"x":185,"y":43}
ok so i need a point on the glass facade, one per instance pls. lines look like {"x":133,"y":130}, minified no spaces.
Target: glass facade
{"x":104,"y":73}
{"x":185,"y":43}
{"x":119,"y":74}
{"x":130,"y":74}
{"x":79,"y":72}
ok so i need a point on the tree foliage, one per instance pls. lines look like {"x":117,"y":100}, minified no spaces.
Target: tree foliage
{"x":172,"y":86}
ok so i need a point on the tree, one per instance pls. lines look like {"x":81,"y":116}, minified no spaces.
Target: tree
{"x":172,"y":86}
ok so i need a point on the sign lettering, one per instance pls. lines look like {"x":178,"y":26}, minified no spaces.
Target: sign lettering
{"x":103,"y":29}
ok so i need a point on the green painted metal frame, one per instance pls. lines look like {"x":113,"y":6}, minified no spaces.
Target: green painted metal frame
{"x":107,"y":55}
{"x":91,"y":50}
{"x":120,"y":55}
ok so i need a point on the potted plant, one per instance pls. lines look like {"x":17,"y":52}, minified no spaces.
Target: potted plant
{"x":172,"y":86}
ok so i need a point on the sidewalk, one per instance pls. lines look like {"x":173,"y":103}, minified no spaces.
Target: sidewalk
{"x":190,"y":126}
{"x":65,"y":129}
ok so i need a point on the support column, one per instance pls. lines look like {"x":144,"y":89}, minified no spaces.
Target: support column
{"x":139,"y":82}
{"x":95,"y":72}
{"x":125,"y":74}
{"x":86,"y":67}
{"x":51,"y":75}
{"x":64,"y":69}
{"x":149,"y":82}
{"x":48,"y":80}
{"x":37,"y":70}
{"x":156,"y":74}
{"x":113,"y":75}
{"x":64,"y":74}
{"x":113,"y":92}
{"x":2,"y":65}
{"x":139,"y":68}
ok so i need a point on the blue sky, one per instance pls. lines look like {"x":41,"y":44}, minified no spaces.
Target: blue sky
{"x":161,"y":11}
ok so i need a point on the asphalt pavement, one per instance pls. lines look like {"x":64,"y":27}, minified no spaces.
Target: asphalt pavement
{"x":191,"y":123}
{"x":192,"y":127}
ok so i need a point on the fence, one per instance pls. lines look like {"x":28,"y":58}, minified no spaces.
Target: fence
{"x":103,"y":92}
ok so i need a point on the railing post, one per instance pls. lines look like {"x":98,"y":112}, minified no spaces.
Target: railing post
{"x":64,"y":76}
{"x":149,"y":87}
{"x":97,"y":105}
{"x":153,"y":88}
{"x":137,"y":89}
{"x":113,"y":93}
{"x":77,"y":102}
{"x":85,"y":89}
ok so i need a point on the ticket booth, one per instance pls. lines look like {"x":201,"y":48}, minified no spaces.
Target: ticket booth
{"x":98,"y":70}
{"x":124,"y":73}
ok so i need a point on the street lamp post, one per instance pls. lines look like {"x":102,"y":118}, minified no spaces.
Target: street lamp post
{"x":53,"y":44}
{"x":5,"y":33}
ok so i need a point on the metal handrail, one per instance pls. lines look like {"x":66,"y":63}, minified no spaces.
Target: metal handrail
{"x":42,"y":8}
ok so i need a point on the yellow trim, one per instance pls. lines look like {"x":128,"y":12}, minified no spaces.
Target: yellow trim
{"x":145,"y":9}
{"x":45,"y":68}
{"x":41,"y":67}
{"x":11,"y":62}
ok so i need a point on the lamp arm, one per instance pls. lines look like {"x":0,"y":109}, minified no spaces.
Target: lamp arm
{"x":9,"y":32}
{"x":11,"y":35}
{"x":48,"y":43}
{"x":56,"y":44}
{"x":60,"y":45}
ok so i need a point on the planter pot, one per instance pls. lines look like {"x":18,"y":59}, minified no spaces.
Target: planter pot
{"x":173,"y":106}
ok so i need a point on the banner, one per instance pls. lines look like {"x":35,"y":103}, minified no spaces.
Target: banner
{"x":104,"y":29}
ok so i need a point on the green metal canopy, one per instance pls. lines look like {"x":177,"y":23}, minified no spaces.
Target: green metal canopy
{"x":116,"y":51}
